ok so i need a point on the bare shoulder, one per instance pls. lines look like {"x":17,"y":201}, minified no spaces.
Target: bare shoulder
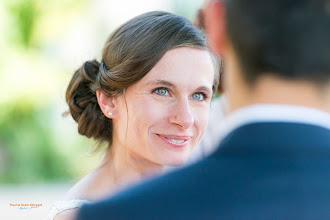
{"x":83,"y":188}
{"x":69,"y":214}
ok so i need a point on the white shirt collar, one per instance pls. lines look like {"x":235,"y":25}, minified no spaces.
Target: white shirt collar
{"x":273,"y":113}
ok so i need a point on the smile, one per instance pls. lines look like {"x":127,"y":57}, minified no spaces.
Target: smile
{"x":175,"y":141}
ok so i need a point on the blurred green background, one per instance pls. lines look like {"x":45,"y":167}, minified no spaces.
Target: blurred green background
{"x":41,"y":44}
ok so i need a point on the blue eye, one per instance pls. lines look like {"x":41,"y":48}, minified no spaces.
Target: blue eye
{"x":162,"y":91}
{"x":198,"y":96}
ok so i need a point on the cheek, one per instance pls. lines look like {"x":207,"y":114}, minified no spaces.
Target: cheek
{"x":201,"y":119}
{"x":147,"y":114}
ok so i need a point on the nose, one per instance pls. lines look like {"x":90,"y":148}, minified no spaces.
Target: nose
{"x":181,"y":114}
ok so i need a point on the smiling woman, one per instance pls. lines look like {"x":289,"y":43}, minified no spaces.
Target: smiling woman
{"x":166,"y":112}
{"x":148,"y":99}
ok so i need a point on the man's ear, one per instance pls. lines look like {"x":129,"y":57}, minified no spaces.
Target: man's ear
{"x":215,"y":22}
{"x":107,"y":104}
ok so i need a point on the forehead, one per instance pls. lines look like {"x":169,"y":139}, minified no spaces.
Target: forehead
{"x":183,"y":66}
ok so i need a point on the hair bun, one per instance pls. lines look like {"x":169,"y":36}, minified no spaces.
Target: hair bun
{"x":83,"y":105}
{"x":91,"y":69}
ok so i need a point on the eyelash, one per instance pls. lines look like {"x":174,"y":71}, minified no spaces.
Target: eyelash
{"x":205,"y":96}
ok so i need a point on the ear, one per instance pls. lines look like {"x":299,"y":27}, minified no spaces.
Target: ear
{"x":215,"y":22}
{"x":107,"y":104}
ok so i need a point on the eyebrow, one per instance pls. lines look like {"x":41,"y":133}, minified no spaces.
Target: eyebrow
{"x":169,"y":84}
{"x":161,"y":82}
{"x":205,"y":89}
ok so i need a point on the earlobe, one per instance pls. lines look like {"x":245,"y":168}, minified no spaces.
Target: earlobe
{"x":106,"y":104}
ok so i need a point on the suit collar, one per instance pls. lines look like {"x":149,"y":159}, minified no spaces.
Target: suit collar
{"x":275,"y":130}
{"x":273,"y":139}
{"x":273,"y":113}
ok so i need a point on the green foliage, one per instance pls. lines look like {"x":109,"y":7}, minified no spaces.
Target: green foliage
{"x":24,"y":14}
{"x":29,"y":153}
{"x":32,"y":149}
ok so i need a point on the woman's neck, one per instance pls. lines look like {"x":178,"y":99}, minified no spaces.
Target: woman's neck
{"x":126,"y":167}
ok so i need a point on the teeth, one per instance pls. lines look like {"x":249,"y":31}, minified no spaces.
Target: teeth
{"x":176,"y":141}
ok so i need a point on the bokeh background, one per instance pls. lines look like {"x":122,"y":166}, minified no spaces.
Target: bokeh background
{"x":41,"y":44}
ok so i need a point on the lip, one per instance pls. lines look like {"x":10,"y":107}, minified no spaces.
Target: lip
{"x":185,"y":139}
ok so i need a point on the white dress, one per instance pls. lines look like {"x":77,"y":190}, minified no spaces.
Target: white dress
{"x":60,"y":206}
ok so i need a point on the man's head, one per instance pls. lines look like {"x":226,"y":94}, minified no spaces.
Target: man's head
{"x":288,"y":40}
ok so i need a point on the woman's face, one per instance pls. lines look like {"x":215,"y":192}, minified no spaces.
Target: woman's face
{"x":163,"y":116}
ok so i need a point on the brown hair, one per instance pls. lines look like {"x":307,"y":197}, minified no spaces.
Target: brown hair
{"x":128,"y":55}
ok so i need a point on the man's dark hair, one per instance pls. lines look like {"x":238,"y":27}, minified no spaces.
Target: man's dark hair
{"x":287,"y":38}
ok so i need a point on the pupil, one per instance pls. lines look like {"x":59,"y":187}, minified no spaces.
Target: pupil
{"x":162,"y":91}
{"x":196,"y":96}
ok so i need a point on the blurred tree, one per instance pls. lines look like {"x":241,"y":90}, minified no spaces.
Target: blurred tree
{"x":24,"y":14}
{"x":28,"y":150}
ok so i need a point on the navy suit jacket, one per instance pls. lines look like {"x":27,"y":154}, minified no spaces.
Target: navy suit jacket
{"x":260,"y":171}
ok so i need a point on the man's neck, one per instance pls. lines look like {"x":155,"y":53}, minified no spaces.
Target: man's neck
{"x":269,"y":89}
